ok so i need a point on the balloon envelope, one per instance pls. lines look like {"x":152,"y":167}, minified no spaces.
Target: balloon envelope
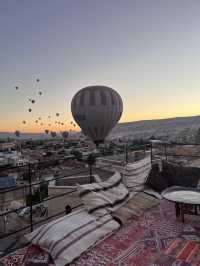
{"x":65,"y":134}
{"x":46,"y":131}
{"x":53,"y":134}
{"x":17,"y":133}
{"x":97,"y":109}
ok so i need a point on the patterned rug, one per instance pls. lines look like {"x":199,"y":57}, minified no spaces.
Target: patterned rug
{"x":140,"y":243}
{"x":30,"y":255}
{"x":180,"y":252}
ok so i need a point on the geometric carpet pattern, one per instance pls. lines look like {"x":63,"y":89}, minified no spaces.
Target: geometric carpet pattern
{"x":140,"y":242}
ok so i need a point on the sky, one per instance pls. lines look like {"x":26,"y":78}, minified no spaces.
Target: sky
{"x":147,"y":50}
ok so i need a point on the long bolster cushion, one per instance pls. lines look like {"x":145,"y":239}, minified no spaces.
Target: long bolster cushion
{"x":68,"y":237}
{"x":108,"y":195}
{"x":136,"y":173}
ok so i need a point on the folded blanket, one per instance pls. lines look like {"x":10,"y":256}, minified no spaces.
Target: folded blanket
{"x":134,"y":208}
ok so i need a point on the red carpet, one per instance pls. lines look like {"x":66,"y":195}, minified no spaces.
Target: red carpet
{"x":139,"y":243}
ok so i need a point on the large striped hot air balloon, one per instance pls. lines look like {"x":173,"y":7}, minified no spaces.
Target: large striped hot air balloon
{"x":96,"y":109}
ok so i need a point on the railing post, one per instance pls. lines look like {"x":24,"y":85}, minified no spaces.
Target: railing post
{"x":151,"y":153}
{"x":30,"y":196}
{"x":90,"y":167}
{"x":165,"y":151}
{"x":126,"y":154}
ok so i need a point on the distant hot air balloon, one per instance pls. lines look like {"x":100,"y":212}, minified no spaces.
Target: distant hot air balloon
{"x":36,"y":121}
{"x":41,"y":124}
{"x":96,"y":109}
{"x":49,"y":116}
{"x":57,"y":114}
{"x":37,"y":80}
{"x":53,"y":134}
{"x":71,"y":122}
{"x":24,"y":122}
{"x":16,"y":87}
{"x":49,"y":125}
{"x":46,"y":131}
{"x":32,"y":101}
{"x":30,"y":110}
{"x":39,"y":118}
{"x":40,"y":93}
{"x":65,"y":134}
{"x":62,"y":124}
{"x":17,"y":133}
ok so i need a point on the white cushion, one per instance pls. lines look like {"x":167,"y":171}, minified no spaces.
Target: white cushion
{"x":135,"y":174}
{"x":104,"y":195}
{"x":68,"y":237}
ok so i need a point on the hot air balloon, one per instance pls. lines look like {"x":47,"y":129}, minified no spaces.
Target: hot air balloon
{"x":41,"y":124}
{"x":40,"y":93}
{"x":49,"y":125}
{"x":16,"y":87}
{"x":57,"y":114}
{"x":30,"y":110}
{"x":36,"y":121}
{"x":39,"y":118}
{"x":24,"y":122}
{"x":96,"y":109}
{"x":37,"y":80}
{"x":71,"y":122}
{"x":46,"y":131}
{"x":65,"y":134}
{"x":53,"y":134}
{"x":49,"y":116}
{"x":32,"y":101}
{"x":17,"y":133}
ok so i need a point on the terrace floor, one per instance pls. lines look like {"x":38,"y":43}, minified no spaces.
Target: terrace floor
{"x":142,"y":242}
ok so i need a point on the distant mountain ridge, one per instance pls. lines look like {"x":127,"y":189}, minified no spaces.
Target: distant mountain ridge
{"x":174,"y":129}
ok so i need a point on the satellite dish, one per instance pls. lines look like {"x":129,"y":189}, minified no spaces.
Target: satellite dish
{"x":96,"y":109}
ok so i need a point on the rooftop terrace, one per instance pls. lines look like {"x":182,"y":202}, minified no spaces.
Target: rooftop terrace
{"x":150,"y":234}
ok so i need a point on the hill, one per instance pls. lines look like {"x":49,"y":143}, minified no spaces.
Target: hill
{"x":174,"y":129}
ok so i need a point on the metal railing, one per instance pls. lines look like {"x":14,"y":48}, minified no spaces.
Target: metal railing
{"x":34,"y":169}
